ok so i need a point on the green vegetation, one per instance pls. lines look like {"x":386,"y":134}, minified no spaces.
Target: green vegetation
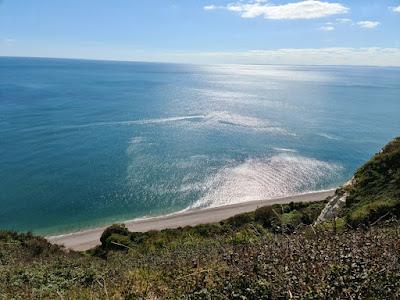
{"x":286,"y":218}
{"x":208,"y":262}
{"x":375,"y":190}
{"x":273,"y":252}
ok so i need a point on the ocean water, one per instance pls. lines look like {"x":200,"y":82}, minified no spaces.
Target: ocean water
{"x":84,"y":143}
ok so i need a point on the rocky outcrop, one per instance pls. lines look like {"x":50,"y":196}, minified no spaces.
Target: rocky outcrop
{"x":335,"y":204}
{"x":332,"y":208}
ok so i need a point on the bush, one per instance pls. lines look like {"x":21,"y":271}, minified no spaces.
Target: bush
{"x":266,"y":216}
{"x":339,"y":224}
{"x":119,"y":229}
{"x":240,"y":220}
{"x":36,"y":245}
{"x":118,"y":242}
{"x":286,"y":208}
{"x":291,"y":220}
{"x":311,"y":213}
{"x":208,"y":230}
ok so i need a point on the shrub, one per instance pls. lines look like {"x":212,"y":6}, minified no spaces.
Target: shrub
{"x":294,"y":206}
{"x":266,"y":216}
{"x":208,"y":230}
{"x":118,"y":242}
{"x":113,"y":229}
{"x":311,"y":213}
{"x":4,"y":235}
{"x":36,"y":246}
{"x":292,"y":219}
{"x":338,"y":224}
{"x":240,"y":220}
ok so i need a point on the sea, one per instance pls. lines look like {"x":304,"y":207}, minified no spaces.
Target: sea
{"x":87,"y":143}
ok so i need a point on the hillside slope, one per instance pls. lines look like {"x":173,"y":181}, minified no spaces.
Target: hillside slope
{"x":375,"y":189}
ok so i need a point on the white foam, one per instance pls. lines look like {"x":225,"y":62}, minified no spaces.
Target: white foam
{"x":165,"y":120}
{"x":284,"y":150}
{"x":214,"y":119}
{"x":228,"y":119}
{"x":140,"y":122}
{"x":285,"y":174}
{"x":224,"y":117}
{"x":328,"y":136}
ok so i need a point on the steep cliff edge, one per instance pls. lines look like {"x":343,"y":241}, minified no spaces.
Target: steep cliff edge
{"x":372,"y":194}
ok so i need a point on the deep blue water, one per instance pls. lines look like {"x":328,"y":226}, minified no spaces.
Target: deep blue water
{"x":84,"y":143}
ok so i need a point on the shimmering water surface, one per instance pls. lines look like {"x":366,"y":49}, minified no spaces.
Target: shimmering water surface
{"x":84,"y":143}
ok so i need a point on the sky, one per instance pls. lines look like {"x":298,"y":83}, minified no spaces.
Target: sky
{"x":356,"y":32}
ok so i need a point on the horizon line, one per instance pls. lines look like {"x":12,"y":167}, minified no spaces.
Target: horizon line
{"x":195,"y":64}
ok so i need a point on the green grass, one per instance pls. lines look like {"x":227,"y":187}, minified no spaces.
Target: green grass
{"x":369,"y":212}
{"x":376,"y":188}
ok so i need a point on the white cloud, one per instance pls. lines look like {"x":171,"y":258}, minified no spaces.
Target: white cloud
{"x":368,"y":24}
{"x":344,"y":21}
{"x":327,"y":28}
{"x":308,"y":9}
{"x":396,"y":9}
{"x":373,"y":56}
{"x":210,"y":7}
{"x":330,"y":26}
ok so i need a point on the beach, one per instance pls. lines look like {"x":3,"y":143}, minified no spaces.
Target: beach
{"x":86,"y":239}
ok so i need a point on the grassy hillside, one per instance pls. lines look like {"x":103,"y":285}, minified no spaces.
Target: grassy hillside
{"x":271,"y":253}
{"x":245,"y":263}
{"x":375,"y":191}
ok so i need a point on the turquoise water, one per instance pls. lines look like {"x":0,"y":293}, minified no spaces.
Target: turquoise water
{"x":84,"y":143}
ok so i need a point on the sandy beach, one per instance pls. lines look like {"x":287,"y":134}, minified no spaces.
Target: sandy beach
{"x":86,"y":239}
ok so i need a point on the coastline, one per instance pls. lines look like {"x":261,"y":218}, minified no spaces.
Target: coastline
{"x":89,"y":238}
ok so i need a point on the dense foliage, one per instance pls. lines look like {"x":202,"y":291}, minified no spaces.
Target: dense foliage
{"x":274,"y":252}
{"x":247,"y":263}
{"x":375,"y":189}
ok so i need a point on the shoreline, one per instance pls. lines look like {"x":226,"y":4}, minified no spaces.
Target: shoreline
{"x":89,"y":238}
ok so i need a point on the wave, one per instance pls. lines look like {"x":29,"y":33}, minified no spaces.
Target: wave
{"x":328,"y":136}
{"x":224,"y":119}
{"x":139,"y":122}
{"x":227,"y":118}
{"x":212,"y":119}
{"x":285,"y":150}
{"x":284,"y":174}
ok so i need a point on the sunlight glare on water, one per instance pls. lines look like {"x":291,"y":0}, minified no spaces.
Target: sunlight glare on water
{"x":85,"y":143}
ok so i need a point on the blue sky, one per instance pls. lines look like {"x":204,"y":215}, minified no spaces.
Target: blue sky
{"x":214,"y":31}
